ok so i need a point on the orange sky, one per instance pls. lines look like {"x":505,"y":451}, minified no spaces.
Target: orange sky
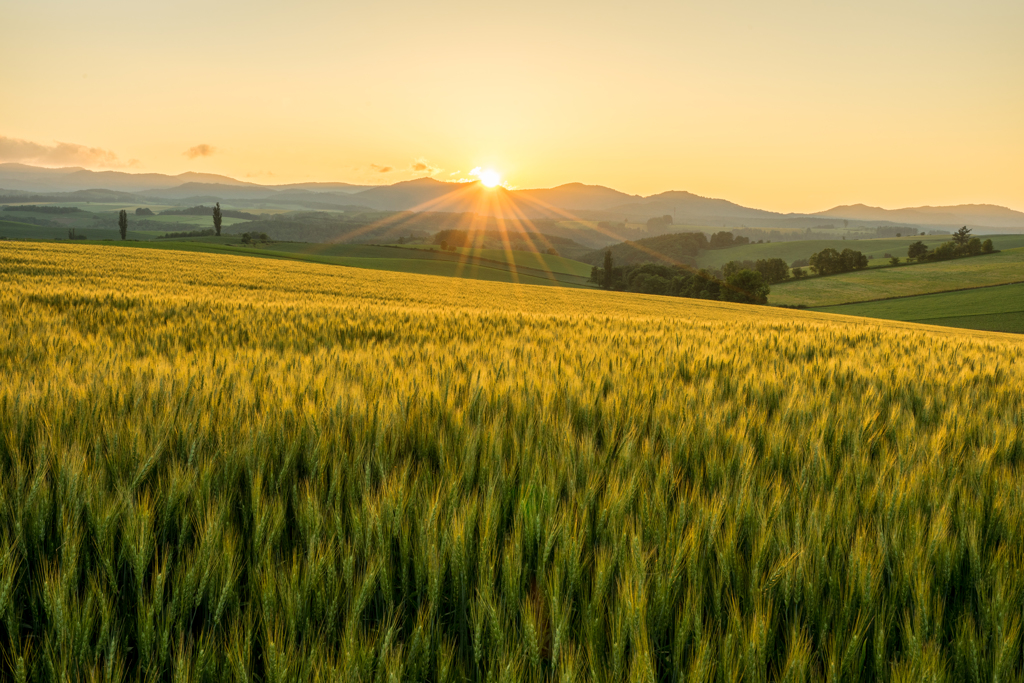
{"x":789,"y":105}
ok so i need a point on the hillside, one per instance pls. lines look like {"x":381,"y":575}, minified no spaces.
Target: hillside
{"x":997,"y":308}
{"x":229,"y":466}
{"x":688,"y":208}
{"x":673,"y":249}
{"x":908,"y":280}
{"x":571,"y":201}
{"x":964,"y":214}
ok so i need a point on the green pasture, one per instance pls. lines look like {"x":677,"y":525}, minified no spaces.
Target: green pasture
{"x":27,"y":231}
{"x":875,"y":249}
{"x":198,"y":221}
{"x":908,"y":280}
{"x":528,"y":259}
{"x":996,"y":309}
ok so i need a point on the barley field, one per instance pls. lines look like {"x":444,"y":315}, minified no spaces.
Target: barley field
{"x":215,"y":468}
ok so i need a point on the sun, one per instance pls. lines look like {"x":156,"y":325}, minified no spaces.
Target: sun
{"x":490,"y":178}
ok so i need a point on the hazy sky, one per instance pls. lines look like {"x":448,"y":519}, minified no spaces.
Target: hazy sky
{"x":784,"y":105}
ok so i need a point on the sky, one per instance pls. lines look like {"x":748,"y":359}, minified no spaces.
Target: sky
{"x":785,"y":105}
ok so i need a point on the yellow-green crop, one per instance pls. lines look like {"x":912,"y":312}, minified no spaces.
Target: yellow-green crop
{"x":215,"y":468}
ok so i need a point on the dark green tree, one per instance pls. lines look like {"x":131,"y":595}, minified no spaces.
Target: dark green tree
{"x":745,"y":287}
{"x":606,"y":280}
{"x":986,"y":247}
{"x":773,"y":270}
{"x":853,"y":260}
{"x":826,"y":262}
{"x":961,"y":237}
{"x":917,"y":250}
{"x":122,"y":224}
{"x":217,"y":218}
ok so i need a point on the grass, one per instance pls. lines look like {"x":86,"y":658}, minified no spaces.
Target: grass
{"x":999,"y":309}
{"x":529,"y":259}
{"x":215,"y":468}
{"x":17,"y":230}
{"x":909,"y":280}
{"x":791,"y":251}
{"x":198,"y":221}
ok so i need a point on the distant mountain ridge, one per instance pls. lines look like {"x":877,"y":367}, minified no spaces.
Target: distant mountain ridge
{"x":572,"y":200}
{"x":992,"y":215}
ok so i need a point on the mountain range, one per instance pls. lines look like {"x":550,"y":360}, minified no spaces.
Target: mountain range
{"x":573,"y":200}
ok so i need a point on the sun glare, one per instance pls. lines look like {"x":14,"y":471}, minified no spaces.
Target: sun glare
{"x":490,"y":178}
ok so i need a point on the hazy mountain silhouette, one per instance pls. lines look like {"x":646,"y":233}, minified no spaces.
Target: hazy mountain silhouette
{"x":35,"y":179}
{"x":963,"y":214}
{"x":686,"y":205}
{"x":591,"y":202}
{"x":576,"y":196}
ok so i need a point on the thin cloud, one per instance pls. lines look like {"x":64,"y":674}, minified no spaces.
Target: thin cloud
{"x":203,"y":150}
{"x":382,"y":169}
{"x":59,"y":154}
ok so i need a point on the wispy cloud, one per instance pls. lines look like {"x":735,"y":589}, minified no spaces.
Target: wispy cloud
{"x":382,"y":169}
{"x":58,"y":154}
{"x":421,"y":165}
{"x":203,"y":150}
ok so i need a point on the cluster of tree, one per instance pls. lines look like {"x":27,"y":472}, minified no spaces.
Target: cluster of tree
{"x":961,"y":244}
{"x":250,"y":237}
{"x":773,"y":270}
{"x":202,"y":210}
{"x":830,"y":261}
{"x":43,"y":209}
{"x":659,"y":222}
{"x":144,"y":211}
{"x":724,"y":240}
{"x":744,"y":286}
{"x":72,"y":235}
{"x":208,"y":232}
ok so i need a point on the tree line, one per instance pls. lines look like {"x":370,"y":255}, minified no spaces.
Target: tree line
{"x":961,"y":244}
{"x":740,"y":286}
{"x":831,"y":261}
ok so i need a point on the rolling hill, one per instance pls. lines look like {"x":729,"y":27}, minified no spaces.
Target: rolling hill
{"x":964,"y":214}
{"x":569,"y":201}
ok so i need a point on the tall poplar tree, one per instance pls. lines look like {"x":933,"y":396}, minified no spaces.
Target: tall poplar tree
{"x":217,"y":218}
{"x":122,"y":224}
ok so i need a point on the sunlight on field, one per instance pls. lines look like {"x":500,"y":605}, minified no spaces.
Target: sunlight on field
{"x":239,"y":469}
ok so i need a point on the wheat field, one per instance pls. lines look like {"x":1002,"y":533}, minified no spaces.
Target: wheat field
{"x":215,"y":468}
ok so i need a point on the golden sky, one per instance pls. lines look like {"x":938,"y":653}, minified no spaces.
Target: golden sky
{"x":784,"y":105}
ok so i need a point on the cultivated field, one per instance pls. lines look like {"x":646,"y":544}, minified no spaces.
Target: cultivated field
{"x":215,"y":468}
{"x":876,"y":248}
{"x":999,"y":309}
{"x":910,"y":280}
